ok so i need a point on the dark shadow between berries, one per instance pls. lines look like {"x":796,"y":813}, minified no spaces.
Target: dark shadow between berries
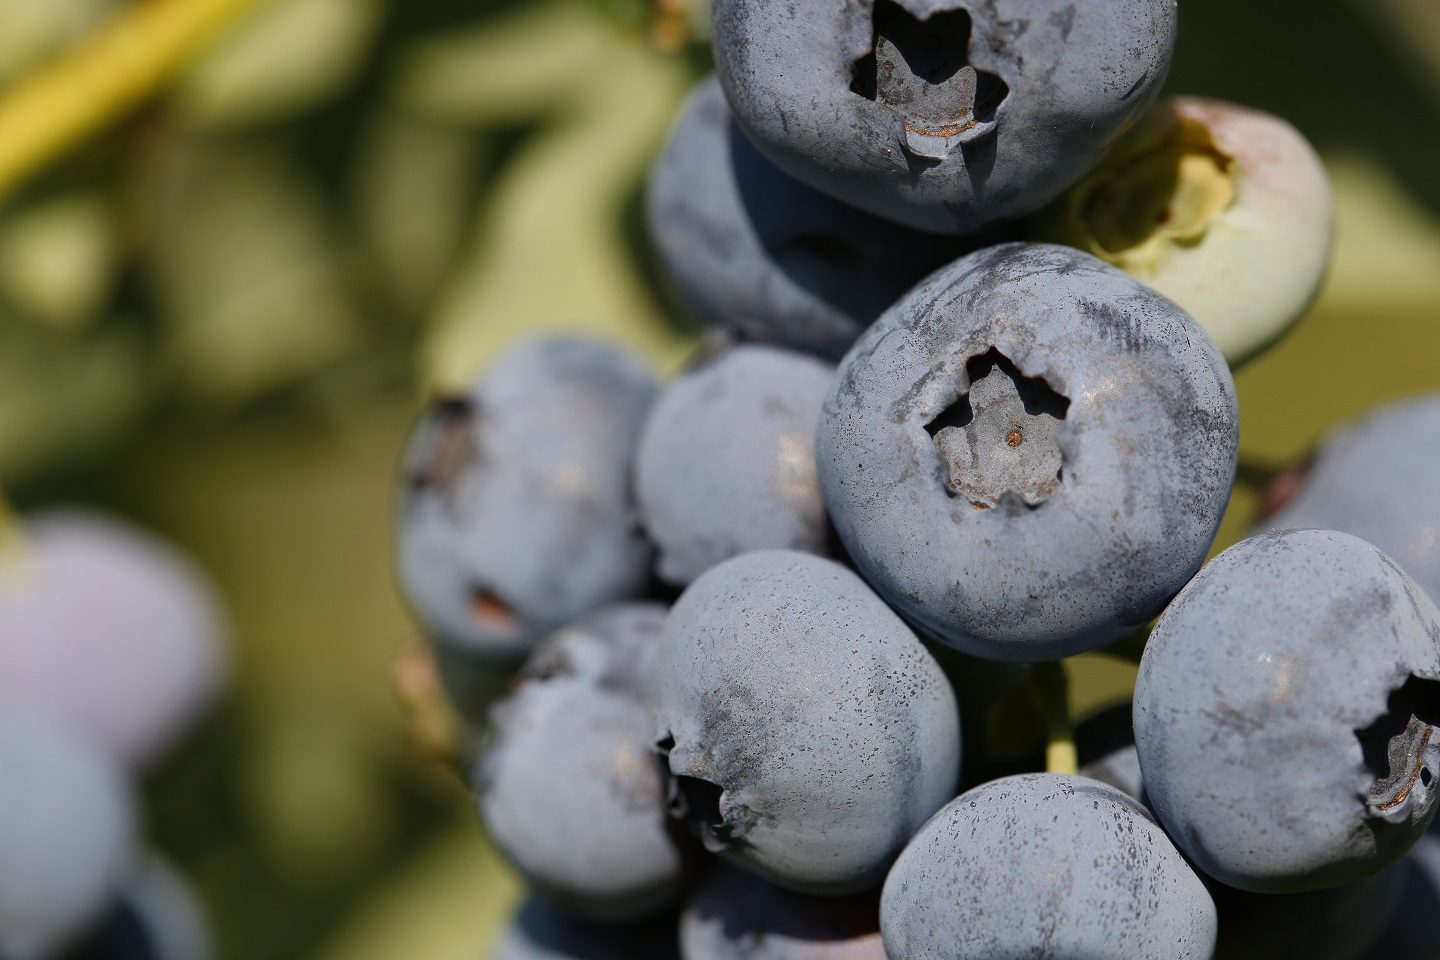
{"x":694,"y":802}
{"x":449,"y":448}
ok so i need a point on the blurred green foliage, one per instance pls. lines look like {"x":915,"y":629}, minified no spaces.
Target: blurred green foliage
{"x":219,"y":320}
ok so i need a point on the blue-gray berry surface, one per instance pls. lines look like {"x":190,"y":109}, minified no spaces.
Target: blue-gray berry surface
{"x":1379,"y":479}
{"x":1030,"y":453}
{"x":945,"y":115}
{"x":807,"y":732}
{"x":1285,"y":711}
{"x":735,"y":915}
{"x":726,"y":463}
{"x":567,"y":783}
{"x":615,"y":649}
{"x":541,"y":932}
{"x":1044,"y":865}
{"x":67,"y":832}
{"x":750,"y":249}
{"x":517,"y":514}
{"x":110,"y":632}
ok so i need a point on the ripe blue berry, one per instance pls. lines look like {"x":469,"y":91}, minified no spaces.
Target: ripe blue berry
{"x":567,"y":784}
{"x":110,"y":632}
{"x":1044,"y":865}
{"x":947,"y":117}
{"x":1030,"y":453}
{"x":750,"y":249}
{"x":807,"y":732}
{"x":727,"y":461}
{"x":67,"y":827}
{"x":613,"y":649}
{"x":1379,"y":479}
{"x":517,"y":515}
{"x":1285,"y":711}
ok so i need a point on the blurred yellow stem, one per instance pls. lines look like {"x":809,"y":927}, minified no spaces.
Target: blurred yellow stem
{"x":1060,"y":756}
{"x":60,"y":104}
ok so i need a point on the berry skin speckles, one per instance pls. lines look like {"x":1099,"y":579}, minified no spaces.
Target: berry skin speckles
{"x":1030,"y":453}
{"x":1307,"y":757}
{"x":948,"y":117}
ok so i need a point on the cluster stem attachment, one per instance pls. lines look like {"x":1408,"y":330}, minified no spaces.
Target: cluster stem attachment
{"x":1054,"y":685}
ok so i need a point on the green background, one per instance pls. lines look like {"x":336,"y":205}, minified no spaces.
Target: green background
{"x":220,"y":318}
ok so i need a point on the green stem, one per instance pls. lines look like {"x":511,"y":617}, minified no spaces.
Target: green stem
{"x":1131,"y":646}
{"x":1257,"y":476}
{"x":1054,"y":684}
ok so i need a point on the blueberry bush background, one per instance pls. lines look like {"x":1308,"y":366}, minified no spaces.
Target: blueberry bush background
{"x":219,"y":317}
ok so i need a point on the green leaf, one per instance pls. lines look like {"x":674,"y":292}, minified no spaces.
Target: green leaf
{"x":289,"y":57}
{"x":251,"y":272}
{"x":506,"y":69}
{"x":414,"y":186}
{"x":58,"y":258}
{"x":64,"y":399}
{"x":550,"y":253}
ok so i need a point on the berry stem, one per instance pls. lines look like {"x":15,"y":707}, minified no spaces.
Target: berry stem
{"x":1054,"y":684}
{"x":1131,"y":646}
{"x":1257,"y":476}
{"x":109,"y":74}
{"x":669,"y":25}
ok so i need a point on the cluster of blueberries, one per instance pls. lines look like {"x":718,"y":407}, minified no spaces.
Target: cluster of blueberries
{"x":111,"y":648}
{"x":965,"y":410}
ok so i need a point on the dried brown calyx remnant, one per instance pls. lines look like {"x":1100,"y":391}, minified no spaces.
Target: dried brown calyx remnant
{"x":434,"y":728}
{"x":445,"y":449}
{"x":1401,"y":748}
{"x":489,"y":612}
{"x":921,"y":69}
{"x":1000,"y":436}
{"x":694,"y":802}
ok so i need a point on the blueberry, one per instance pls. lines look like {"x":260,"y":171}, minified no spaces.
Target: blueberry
{"x":945,"y":116}
{"x":727,"y":461}
{"x":1379,"y":479}
{"x":1030,"y":453}
{"x":540,"y":932}
{"x":1044,"y":865}
{"x":1284,"y":713}
{"x":615,"y":649}
{"x":67,"y":826}
{"x":1338,"y":923}
{"x":807,"y":732}
{"x":749,"y":249}
{"x":110,"y":631}
{"x":737,"y":916}
{"x":1203,"y":190}
{"x":517,"y":515}
{"x":567,"y":785}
